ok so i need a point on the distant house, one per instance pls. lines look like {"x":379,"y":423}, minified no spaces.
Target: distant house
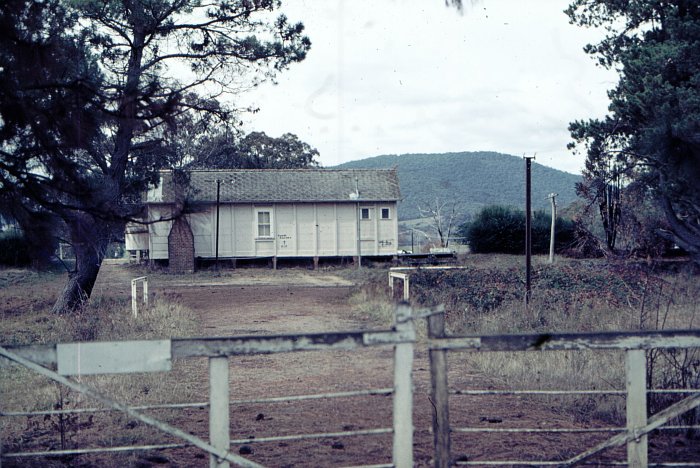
{"x":286,"y":213}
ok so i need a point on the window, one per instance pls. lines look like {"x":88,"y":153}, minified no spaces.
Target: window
{"x":264,"y":224}
{"x":386,"y":213}
{"x":364,"y":213}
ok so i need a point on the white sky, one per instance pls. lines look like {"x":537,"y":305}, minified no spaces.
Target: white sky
{"x":413,"y":76}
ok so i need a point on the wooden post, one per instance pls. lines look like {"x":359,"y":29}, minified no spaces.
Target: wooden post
{"x":218,"y":408}
{"x":403,"y":392}
{"x":439,"y":393}
{"x":637,"y":455}
{"x":528,"y":229}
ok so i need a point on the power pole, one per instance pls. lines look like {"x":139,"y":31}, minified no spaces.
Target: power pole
{"x":528,"y":227}
{"x":218,"y":199}
{"x":359,"y":220}
{"x":553,"y":198}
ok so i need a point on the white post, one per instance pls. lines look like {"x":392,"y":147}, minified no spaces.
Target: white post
{"x":405,"y":287}
{"x":219,"y":408}
{"x":134,"y":302}
{"x":637,"y":455}
{"x":134,"y":294}
{"x":145,"y":292}
{"x":403,"y":392}
{"x":552,"y":197}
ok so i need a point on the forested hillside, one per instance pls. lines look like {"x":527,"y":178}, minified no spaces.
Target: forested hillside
{"x":472,"y":179}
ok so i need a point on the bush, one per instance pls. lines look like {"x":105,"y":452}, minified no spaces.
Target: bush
{"x":14,"y":249}
{"x":501,"y":229}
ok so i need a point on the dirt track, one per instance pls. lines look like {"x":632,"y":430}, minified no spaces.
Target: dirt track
{"x":249,"y":302}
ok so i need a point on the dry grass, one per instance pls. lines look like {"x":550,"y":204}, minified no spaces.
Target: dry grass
{"x":25,"y":302}
{"x":570,"y":296}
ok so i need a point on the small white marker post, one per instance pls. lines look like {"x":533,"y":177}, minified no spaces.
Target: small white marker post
{"x":134,"y":294}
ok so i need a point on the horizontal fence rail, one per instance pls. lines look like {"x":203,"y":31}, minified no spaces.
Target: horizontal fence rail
{"x":634,"y":435}
{"x":571,"y":341}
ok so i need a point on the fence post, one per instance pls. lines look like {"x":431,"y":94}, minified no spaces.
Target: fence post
{"x":403,"y":391}
{"x":636,"y":381}
{"x":439,"y":393}
{"x":145,"y":292}
{"x":134,"y":301}
{"x":219,"y":408}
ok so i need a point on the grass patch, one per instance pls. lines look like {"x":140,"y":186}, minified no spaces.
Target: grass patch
{"x":25,"y":303}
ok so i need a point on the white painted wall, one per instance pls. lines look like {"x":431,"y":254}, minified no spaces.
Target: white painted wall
{"x":158,"y":232}
{"x":296,"y":230}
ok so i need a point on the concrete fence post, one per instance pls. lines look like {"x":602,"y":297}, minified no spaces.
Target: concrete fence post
{"x":219,"y":409}
{"x":145,"y":292}
{"x":636,"y":382}
{"x":439,"y":393}
{"x":134,"y":303}
{"x":403,"y":391}
{"x":134,"y":294}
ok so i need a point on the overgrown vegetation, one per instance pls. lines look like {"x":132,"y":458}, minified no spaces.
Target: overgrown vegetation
{"x":500,"y":229}
{"x":486,"y":297}
{"x":26,"y":298}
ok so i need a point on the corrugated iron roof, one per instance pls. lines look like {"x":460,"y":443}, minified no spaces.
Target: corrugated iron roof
{"x":285,"y":185}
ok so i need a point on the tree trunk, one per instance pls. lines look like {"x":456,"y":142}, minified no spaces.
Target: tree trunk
{"x":686,"y":233}
{"x":90,"y":238}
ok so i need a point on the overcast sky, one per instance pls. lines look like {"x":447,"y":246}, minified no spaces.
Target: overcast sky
{"x":413,"y":76}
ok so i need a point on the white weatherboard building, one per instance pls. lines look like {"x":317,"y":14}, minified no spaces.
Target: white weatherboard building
{"x":282,"y":213}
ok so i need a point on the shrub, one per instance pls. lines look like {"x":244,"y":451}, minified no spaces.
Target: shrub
{"x":501,"y":229}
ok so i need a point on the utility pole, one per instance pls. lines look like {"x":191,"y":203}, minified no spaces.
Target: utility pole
{"x":528,"y":227}
{"x":218,"y":198}
{"x":359,"y":220}
{"x":553,"y":198}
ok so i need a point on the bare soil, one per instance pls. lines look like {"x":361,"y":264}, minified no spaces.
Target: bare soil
{"x":265,"y":302}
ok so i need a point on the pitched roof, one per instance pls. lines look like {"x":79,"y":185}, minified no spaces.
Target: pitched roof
{"x":285,"y":185}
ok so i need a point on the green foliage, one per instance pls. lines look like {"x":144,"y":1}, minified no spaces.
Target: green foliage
{"x":474,"y":180}
{"x":501,"y":229}
{"x":256,"y":150}
{"x":652,"y":134}
{"x":14,"y":249}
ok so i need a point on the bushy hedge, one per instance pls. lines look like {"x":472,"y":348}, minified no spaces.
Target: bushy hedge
{"x":14,"y":249}
{"x":501,"y":229}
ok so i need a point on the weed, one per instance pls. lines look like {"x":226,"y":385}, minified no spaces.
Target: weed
{"x":27,"y":319}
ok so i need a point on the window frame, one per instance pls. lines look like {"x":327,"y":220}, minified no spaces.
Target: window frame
{"x":386,"y":210}
{"x":268,"y":224}
{"x":364,"y":210}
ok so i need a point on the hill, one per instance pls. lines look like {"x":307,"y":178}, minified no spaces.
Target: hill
{"x":473,"y":179}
